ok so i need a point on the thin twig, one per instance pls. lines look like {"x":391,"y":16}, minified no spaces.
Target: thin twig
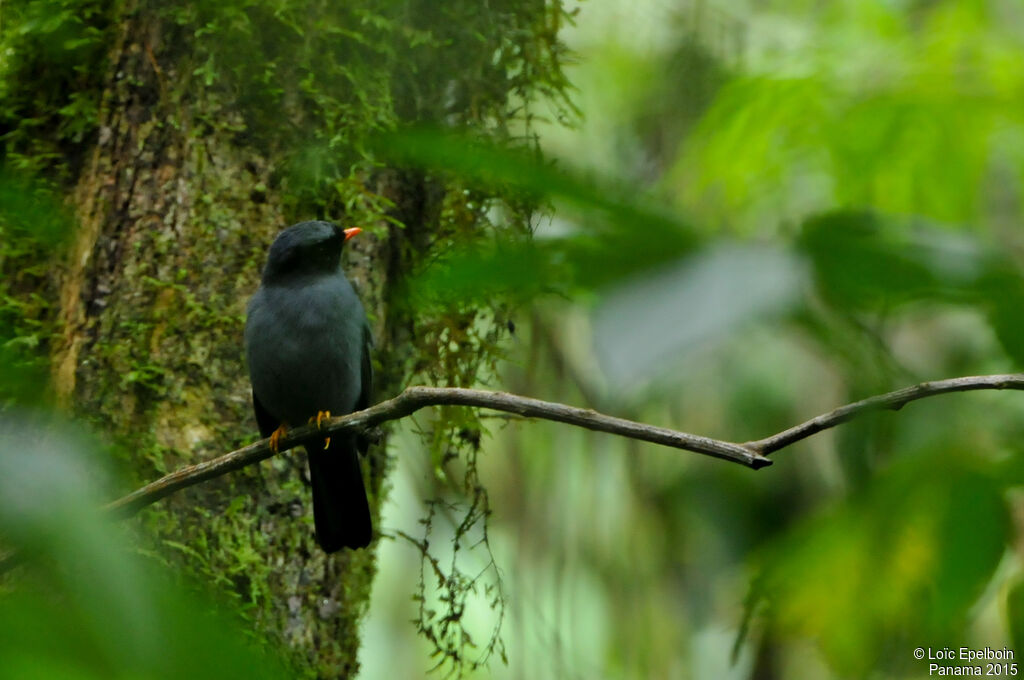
{"x":890,"y":401}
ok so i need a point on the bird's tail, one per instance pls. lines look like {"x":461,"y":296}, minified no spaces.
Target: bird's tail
{"x":341,"y":511}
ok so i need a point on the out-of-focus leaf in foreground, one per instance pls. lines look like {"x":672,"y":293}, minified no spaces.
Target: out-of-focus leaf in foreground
{"x":903,"y":108}
{"x":896,"y":567}
{"x":657,"y":293}
{"x":642,"y":324}
{"x":862,"y":262}
{"x":82,"y":606}
{"x":615,"y":232}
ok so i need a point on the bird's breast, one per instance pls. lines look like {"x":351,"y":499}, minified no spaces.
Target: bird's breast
{"x":304,"y":348}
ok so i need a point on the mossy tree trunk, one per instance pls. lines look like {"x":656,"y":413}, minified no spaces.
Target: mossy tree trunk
{"x":178,"y":193}
{"x":172,"y":236}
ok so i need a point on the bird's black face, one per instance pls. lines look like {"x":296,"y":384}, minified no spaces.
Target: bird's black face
{"x":306,"y":248}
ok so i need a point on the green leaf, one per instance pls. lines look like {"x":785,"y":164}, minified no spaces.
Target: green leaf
{"x":646,"y":323}
{"x":614,"y":232}
{"x":29,"y":208}
{"x":1015,"y":613}
{"x":901,"y":563}
{"x":863,"y":263}
{"x":84,"y":606}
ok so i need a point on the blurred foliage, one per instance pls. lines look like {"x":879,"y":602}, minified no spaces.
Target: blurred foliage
{"x":32,"y":225}
{"x":902,"y":563}
{"x":830,"y":216}
{"x":301,"y":85}
{"x":82,"y":605}
{"x":52,"y":56}
{"x":864,"y":264}
{"x":623,"y":235}
{"x":317,"y":77}
{"x":904,"y":107}
{"x":850,"y":190}
{"x":51,"y":75}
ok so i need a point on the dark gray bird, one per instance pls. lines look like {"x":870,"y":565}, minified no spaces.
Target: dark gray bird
{"x":308,"y":347}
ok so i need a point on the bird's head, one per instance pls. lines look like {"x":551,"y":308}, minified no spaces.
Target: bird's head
{"x":307,"y":248}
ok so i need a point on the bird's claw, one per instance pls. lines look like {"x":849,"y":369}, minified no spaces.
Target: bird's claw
{"x":275,"y":437}
{"x":319,"y":418}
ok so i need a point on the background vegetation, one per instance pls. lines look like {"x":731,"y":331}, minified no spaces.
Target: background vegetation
{"x":845,"y":190}
{"x":749,"y":213}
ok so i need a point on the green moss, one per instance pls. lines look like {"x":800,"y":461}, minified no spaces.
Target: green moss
{"x":51,"y":81}
{"x":32,"y":226}
{"x":265,"y":109}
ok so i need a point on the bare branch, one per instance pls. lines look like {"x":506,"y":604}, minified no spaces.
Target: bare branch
{"x":751,"y":454}
{"x":890,"y":401}
{"x":412,"y":400}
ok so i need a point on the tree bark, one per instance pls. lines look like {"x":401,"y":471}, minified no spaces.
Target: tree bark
{"x":179,"y":181}
{"x":173,"y":233}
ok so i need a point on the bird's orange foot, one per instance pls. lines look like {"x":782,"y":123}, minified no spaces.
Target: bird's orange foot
{"x":319,"y":418}
{"x":275,"y":437}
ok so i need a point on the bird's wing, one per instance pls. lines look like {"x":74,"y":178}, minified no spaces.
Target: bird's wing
{"x":266,"y":422}
{"x":366,"y":383}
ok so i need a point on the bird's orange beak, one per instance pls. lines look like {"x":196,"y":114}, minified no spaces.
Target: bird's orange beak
{"x":349,"y":233}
